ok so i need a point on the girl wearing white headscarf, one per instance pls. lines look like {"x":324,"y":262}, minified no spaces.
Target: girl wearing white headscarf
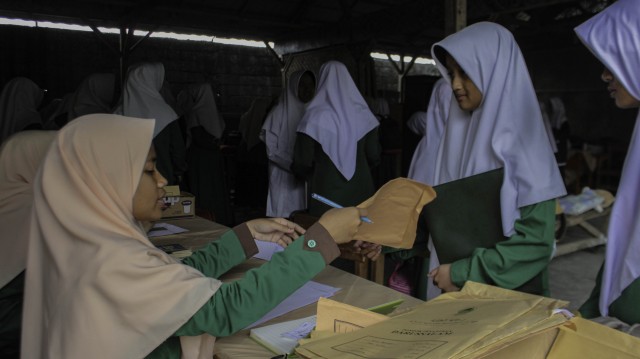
{"x":96,"y":287}
{"x":205,"y":173}
{"x":504,"y":130}
{"x":613,"y":36}
{"x":337,"y":142}
{"x":19,"y":104}
{"x":141,"y":97}
{"x":94,"y":95}
{"x":286,"y":192}
{"x":20,"y":158}
{"x":430,"y":127}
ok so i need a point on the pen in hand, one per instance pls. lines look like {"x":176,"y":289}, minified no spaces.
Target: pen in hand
{"x":335,"y":205}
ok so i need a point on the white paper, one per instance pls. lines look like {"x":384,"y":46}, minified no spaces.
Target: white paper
{"x":305,"y":295}
{"x":164,"y":229}
{"x":267,"y":249}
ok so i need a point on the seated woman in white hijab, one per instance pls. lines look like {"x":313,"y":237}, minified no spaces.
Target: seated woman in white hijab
{"x":496,"y":123}
{"x":141,"y":98}
{"x":613,"y":36}
{"x":97,"y":287}
{"x":19,"y":104}
{"x":286,"y":192}
{"x":205,"y":173}
{"x":94,"y":95}
{"x":20,"y":158}
{"x":337,"y":142}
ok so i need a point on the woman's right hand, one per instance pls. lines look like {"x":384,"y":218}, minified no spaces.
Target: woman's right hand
{"x":342,"y":223}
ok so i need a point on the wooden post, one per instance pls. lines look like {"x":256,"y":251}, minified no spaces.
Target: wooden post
{"x":455,"y":15}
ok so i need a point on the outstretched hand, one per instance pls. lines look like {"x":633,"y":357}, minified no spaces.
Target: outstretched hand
{"x":368,"y":249}
{"x":276,"y":230}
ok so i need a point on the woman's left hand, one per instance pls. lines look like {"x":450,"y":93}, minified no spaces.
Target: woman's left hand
{"x":370,"y":250}
{"x":441,"y":277}
{"x":276,"y":230}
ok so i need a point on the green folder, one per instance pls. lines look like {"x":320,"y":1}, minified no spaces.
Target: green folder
{"x":465,"y":215}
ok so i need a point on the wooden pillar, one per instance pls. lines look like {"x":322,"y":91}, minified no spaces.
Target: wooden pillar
{"x":455,"y":15}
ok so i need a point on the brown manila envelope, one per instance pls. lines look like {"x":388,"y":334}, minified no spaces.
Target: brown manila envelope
{"x":394,"y":210}
{"x":470,"y":323}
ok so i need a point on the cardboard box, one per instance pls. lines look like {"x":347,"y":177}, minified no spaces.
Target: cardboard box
{"x":180,"y":203}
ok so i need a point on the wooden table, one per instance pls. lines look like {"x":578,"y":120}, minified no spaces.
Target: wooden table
{"x":355,"y":290}
{"x":200,"y":232}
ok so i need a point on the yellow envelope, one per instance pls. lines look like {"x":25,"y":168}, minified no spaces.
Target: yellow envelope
{"x":394,"y":210}
{"x":585,"y":339}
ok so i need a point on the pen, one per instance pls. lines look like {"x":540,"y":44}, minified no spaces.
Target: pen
{"x":335,"y":205}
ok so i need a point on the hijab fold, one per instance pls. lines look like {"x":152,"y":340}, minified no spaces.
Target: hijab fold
{"x":613,"y":36}
{"x":424,"y":158}
{"x":338,"y":117}
{"x":199,"y":106}
{"x":19,"y":104}
{"x":506,"y":130}
{"x":141,"y":96}
{"x":95,"y":285}
{"x":20,"y":158}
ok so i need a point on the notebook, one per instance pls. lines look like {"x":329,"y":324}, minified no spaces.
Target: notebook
{"x":465,"y":215}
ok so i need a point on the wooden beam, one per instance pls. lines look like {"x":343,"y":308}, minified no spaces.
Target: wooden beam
{"x":455,"y":16}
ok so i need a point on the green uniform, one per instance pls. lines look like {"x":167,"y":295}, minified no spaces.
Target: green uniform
{"x":11,"y":297}
{"x":170,"y":152}
{"x":520,"y":260}
{"x":625,"y":307}
{"x":311,"y":163}
{"x":206,"y":176}
{"x":238,"y":304}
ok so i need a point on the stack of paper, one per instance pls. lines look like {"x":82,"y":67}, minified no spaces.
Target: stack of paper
{"x":476,"y":321}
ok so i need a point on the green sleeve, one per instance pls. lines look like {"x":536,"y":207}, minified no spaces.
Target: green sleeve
{"x":218,"y":256}
{"x":591,"y":308}
{"x":625,"y":307}
{"x":373,"y":148}
{"x":514,"y":261}
{"x":238,"y":304}
{"x":303,"y":154}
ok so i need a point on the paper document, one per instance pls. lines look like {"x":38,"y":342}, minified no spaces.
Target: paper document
{"x":267,"y":249}
{"x":305,"y":295}
{"x":282,"y":338}
{"x":164,"y":229}
{"x":465,"y":324}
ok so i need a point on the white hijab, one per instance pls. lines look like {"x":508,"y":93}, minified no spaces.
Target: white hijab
{"x":94,"y":95}
{"x":613,"y":36}
{"x":20,"y":157}
{"x":141,"y":96}
{"x":279,"y":129}
{"x":19,"y":103}
{"x":199,"y":106}
{"x":95,"y":286}
{"x":424,"y":159}
{"x":505,"y":131}
{"x":338,"y":117}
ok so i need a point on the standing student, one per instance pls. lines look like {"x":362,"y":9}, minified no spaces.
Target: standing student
{"x":19,"y":102}
{"x":613,"y":36}
{"x":94,"y":95}
{"x":20,"y":158}
{"x":337,"y":142}
{"x":206,"y":171}
{"x":96,"y":287}
{"x":141,"y":98}
{"x":286,"y":192}
{"x":495,"y":122}
{"x":430,"y":126}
